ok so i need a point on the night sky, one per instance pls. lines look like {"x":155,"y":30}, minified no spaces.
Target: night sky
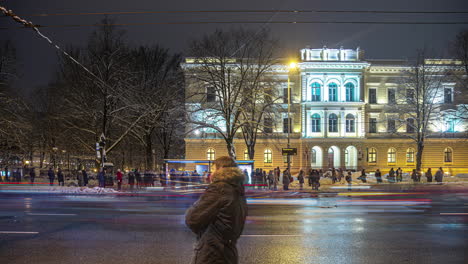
{"x":38,"y":60}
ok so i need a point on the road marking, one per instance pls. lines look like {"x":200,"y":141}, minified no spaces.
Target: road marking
{"x":272,"y":235}
{"x":454,"y":213}
{"x":51,"y":214}
{"x":18,"y":232}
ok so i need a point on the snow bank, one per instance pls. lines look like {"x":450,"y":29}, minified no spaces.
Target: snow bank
{"x":82,"y":190}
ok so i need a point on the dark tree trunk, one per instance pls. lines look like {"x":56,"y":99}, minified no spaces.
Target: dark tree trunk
{"x":419,"y":155}
{"x":148,"y":152}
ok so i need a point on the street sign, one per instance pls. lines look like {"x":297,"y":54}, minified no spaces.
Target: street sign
{"x":289,"y":151}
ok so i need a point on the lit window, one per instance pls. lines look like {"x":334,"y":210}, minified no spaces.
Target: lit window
{"x":349,"y":92}
{"x":287,"y":125}
{"x":246,"y":155}
{"x":210,"y":154}
{"x":448,"y":96}
{"x":333,"y":123}
{"x":314,"y":156}
{"x":315,"y":89}
{"x":372,"y":155}
{"x":448,"y":155}
{"x":350,"y":123}
{"x":267,"y":156}
{"x":346,"y":156}
{"x":410,"y":155}
{"x":315,"y":123}
{"x":391,"y":155}
{"x":450,"y":125}
{"x":332,"y":92}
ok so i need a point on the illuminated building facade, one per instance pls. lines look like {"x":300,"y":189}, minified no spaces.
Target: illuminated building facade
{"x":342,"y":117}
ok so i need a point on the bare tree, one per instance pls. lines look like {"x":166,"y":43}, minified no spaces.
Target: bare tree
{"x":419,"y":102}
{"x":228,"y":67}
{"x":459,"y":49}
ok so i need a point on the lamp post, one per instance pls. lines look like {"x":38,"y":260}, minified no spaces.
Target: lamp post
{"x":292,"y":66}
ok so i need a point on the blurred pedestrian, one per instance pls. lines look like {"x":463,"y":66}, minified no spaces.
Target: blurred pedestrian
{"x":271,"y":179}
{"x":79,"y":177}
{"x":85,"y":177}
{"x":102,"y":178}
{"x":333,"y":175}
{"x":349,"y":179}
{"x":439,"y":176}
{"x":7,"y":175}
{"x":51,"y":175}
{"x":138,"y":178}
{"x":264,"y":179}
{"x":399,"y":175}
{"x":32,"y":175}
{"x":218,"y":217}
{"x":286,"y":179}
{"x":300,"y":179}
{"x":378,"y":176}
{"x":315,"y":179}
{"x":363,"y":176}
{"x":119,"y":178}
{"x":429,"y":175}
{"x":131,"y":179}
{"x":391,"y":176}
{"x":60,"y":177}
{"x":246,"y":175}
{"x":414,"y":176}
{"x":340,"y":175}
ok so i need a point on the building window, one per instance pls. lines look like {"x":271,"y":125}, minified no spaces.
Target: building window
{"x":448,"y":99}
{"x":285,"y":159}
{"x":391,"y":155}
{"x":448,"y":155}
{"x":333,"y":123}
{"x":210,"y":154}
{"x":391,"y":96}
{"x":391,"y":125}
{"x":287,"y":125}
{"x":372,"y":125}
{"x":268,"y":125}
{"x":246,"y":154}
{"x":450,"y":125}
{"x":372,"y":155}
{"x":267,"y":156}
{"x":346,"y":156}
{"x":315,"y":90}
{"x":409,"y":96}
{"x":332,"y":92}
{"x":350,"y":123}
{"x":372,"y":96}
{"x":313,"y":157}
{"x":285,"y":96}
{"x":210,"y":94}
{"x":410,"y":125}
{"x":349,"y":92}
{"x":410,"y":155}
{"x":315,"y":123}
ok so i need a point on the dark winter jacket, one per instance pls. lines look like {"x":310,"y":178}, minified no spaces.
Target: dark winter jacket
{"x":51,"y":174}
{"x":218,"y":218}
{"x":60,"y":176}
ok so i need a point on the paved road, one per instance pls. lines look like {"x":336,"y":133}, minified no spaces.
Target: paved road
{"x":383,"y":224}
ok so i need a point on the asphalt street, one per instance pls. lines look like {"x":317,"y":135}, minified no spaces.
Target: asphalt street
{"x":380,"y":224}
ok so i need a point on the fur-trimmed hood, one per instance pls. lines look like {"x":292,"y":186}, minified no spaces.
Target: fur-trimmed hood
{"x":230,"y":175}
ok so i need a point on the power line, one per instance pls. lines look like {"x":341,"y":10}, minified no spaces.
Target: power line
{"x":293,"y":11}
{"x":253,"y":22}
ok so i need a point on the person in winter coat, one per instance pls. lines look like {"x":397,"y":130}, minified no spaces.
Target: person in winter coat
{"x":271,"y":179}
{"x":349,"y":179}
{"x":119,"y":178}
{"x":391,"y":176}
{"x":60,"y":177}
{"x":399,"y":175}
{"x":429,"y":175}
{"x":378,"y":176}
{"x":218,"y":217}
{"x":439,"y":176}
{"x":131,"y":180}
{"x":51,"y":175}
{"x":7,"y":175}
{"x":85,"y":177}
{"x":286,"y":179}
{"x":414,"y":176}
{"x":315,"y":176}
{"x":300,"y":178}
{"x":102,"y":178}
{"x":32,"y":175}
{"x":138,"y":178}
{"x":363,"y":176}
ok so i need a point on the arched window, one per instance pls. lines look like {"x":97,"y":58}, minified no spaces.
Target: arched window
{"x":315,"y":90}
{"x":349,"y":92}
{"x":315,"y":123}
{"x":313,"y":157}
{"x":332,"y":92}
{"x":448,"y":153}
{"x":333,"y":123}
{"x":391,"y":155}
{"x":350,"y":128}
{"x":410,"y":155}
{"x":372,"y":155}
{"x":210,"y":154}
{"x":246,"y":154}
{"x":267,"y":156}
{"x":346,"y":156}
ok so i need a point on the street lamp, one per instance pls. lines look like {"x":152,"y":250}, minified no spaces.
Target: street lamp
{"x":292,"y":66}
